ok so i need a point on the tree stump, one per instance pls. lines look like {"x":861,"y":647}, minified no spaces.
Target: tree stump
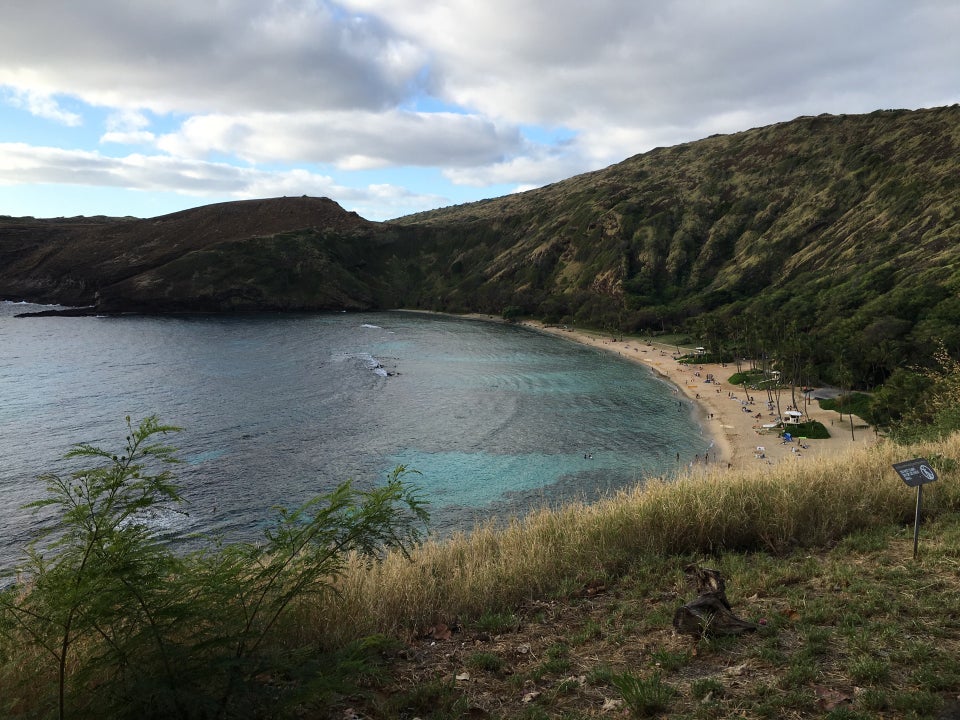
{"x":710,"y":613}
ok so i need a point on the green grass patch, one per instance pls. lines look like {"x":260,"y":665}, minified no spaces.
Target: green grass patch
{"x":858,"y":403}
{"x":670,"y":660}
{"x":486,"y":661}
{"x":812,"y":430}
{"x":748,"y":377}
{"x":706,"y":687}
{"x":495,"y":623}
{"x":644,"y":696}
{"x":436,"y":699}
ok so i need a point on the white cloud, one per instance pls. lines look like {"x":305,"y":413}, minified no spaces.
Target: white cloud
{"x":139,"y":137}
{"x":188,"y":56}
{"x":351,"y":140}
{"x":128,"y":127}
{"x":22,"y":163}
{"x":674,"y":70}
{"x":44,"y":106}
{"x":525,"y":171}
{"x":348,"y":84}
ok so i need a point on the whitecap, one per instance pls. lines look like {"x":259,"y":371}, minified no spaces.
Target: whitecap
{"x":374,"y":327}
{"x":369,"y":360}
{"x":160,"y":521}
{"x":27,"y":302}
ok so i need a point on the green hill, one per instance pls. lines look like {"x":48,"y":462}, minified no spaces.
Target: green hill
{"x":843,"y":226}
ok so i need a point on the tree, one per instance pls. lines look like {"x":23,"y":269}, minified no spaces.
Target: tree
{"x":930,"y":399}
{"x":133,"y":630}
{"x":96,"y":577}
{"x":901,"y":397}
{"x":845,"y":378}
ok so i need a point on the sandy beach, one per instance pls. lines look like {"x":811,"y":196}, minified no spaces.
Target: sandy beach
{"x":740,"y":440}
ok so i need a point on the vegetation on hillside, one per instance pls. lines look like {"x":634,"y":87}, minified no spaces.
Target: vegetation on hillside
{"x":838,"y":233}
{"x":842,"y":225}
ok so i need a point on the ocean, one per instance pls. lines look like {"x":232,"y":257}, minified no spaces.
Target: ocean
{"x":496,"y":419}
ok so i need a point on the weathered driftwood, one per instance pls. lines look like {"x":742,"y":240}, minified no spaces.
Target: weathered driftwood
{"x":710,"y":613}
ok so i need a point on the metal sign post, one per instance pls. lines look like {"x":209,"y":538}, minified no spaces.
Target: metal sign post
{"x":916,"y":473}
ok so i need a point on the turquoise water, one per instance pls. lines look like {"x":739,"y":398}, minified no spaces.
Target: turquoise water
{"x":496,"y":419}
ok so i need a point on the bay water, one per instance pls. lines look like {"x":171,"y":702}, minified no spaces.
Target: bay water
{"x":275,"y":409}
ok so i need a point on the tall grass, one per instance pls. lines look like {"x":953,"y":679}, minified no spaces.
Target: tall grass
{"x":495,"y":569}
{"x":773,"y":508}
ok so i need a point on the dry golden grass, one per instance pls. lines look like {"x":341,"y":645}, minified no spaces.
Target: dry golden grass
{"x":495,"y":568}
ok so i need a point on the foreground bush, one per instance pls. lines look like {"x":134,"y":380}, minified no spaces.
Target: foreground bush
{"x":116,"y":625}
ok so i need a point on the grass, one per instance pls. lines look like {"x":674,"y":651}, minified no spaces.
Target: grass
{"x":812,"y":430}
{"x":858,"y":403}
{"x":644,"y":696}
{"x":747,"y":376}
{"x":493,"y":570}
{"x":569,"y":611}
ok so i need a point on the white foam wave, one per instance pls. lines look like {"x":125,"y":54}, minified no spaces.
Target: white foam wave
{"x":26,"y":302}
{"x":161,"y":521}
{"x":368,"y":325}
{"x":369,"y":360}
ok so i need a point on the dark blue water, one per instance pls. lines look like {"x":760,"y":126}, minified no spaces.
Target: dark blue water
{"x":279,"y":408}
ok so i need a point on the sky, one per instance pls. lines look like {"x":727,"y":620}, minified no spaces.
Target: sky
{"x":146,"y":107}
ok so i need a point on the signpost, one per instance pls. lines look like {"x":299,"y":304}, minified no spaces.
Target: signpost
{"x":916,"y":473}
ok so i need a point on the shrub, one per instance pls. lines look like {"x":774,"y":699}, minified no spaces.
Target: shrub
{"x":111,"y":607}
{"x":812,"y":430}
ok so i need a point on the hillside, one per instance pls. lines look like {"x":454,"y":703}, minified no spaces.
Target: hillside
{"x":843,"y":225}
{"x":209,"y":258}
{"x":847,"y":224}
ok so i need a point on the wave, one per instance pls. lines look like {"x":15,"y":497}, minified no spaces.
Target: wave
{"x":27,"y":302}
{"x":15,"y":308}
{"x":374,"y":327}
{"x":369,"y":360}
{"x":162,"y":522}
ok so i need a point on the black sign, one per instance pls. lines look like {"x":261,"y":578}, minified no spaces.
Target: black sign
{"x":915,"y":472}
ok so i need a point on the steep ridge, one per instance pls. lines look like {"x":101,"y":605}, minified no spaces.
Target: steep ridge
{"x":677,"y":231}
{"x":845,"y":226}
{"x":70,"y":261}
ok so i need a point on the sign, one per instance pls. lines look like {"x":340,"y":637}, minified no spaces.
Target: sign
{"x":915,"y":472}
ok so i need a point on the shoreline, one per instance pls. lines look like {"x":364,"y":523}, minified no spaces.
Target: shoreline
{"x":740,"y":440}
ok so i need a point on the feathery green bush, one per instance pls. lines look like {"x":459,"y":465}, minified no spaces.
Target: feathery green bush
{"x":117,"y":625}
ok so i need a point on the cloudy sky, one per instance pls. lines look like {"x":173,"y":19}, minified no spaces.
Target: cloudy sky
{"x":144,"y":107}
